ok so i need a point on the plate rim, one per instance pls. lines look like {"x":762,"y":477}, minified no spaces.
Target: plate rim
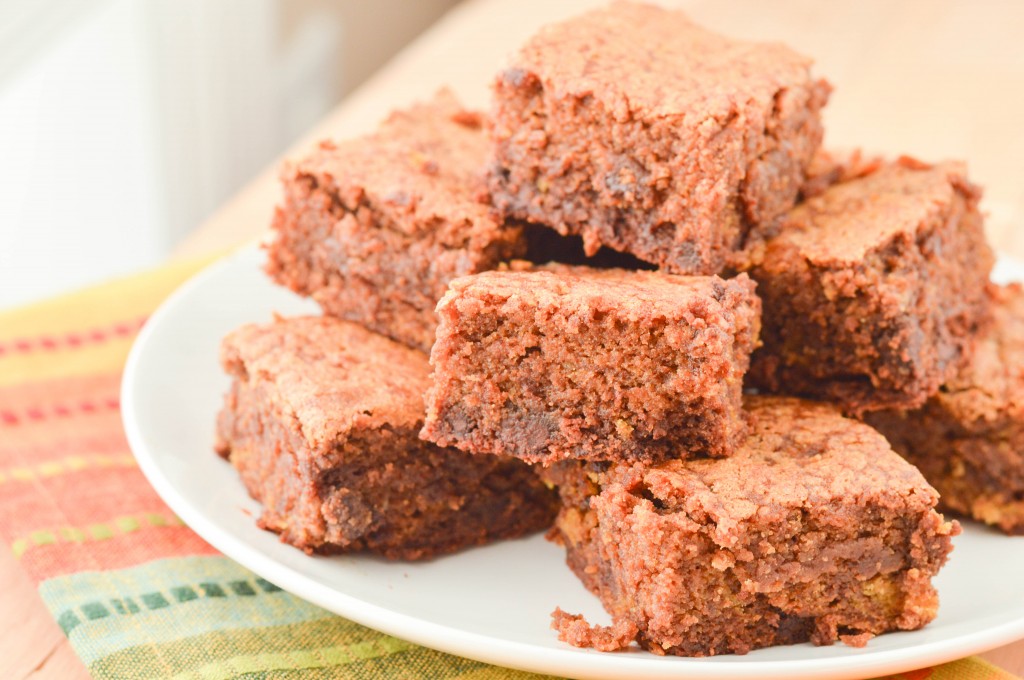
{"x":570,"y":661}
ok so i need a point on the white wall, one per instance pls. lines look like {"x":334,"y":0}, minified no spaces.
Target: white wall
{"x":123,"y":129}
{"x":77,"y":145}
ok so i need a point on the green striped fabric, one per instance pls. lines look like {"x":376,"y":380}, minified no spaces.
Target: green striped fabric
{"x":207,"y":618}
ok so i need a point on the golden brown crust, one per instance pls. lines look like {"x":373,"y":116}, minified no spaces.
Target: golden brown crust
{"x":852,"y":219}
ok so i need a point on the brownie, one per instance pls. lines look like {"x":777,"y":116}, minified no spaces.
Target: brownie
{"x":814,"y":530}
{"x":374,"y":228}
{"x":321,"y":422}
{"x":576,"y":362}
{"x":968,"y":440}
{"x":640,"y":131}
{"x":874,"y":289}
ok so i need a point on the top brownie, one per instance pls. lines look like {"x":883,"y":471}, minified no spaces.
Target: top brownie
{"x":641,"y":131}
{"x":374,"y":228}
{"x":579,"y":363}
{"x":874,"y":289}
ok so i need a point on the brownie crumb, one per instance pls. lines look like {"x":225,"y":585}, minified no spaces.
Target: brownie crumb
{"x":968,"y":439}
{"x":859,"y":640}
{"x":576,"y":631}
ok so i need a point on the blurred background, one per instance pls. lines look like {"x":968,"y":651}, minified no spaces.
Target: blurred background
{"x":123,"y":123}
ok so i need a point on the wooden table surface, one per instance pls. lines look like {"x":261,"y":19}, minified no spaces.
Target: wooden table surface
{"x":933,"y":78}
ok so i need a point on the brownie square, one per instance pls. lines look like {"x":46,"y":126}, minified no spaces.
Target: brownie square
{"x":321,"y":422}
{"x":968,"y":439}
{"x":374,"y":228}
{"x":643,"y":132}
{"x":813,"y":530}
{"x":574,"y":362}
{"x":874,"y":289}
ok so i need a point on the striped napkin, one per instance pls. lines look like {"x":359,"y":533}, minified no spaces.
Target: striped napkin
{"x":137,"y":593}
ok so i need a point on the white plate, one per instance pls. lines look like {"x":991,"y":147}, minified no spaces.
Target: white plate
{"x":493,"y":603}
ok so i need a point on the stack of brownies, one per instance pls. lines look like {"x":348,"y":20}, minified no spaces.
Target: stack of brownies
{"x":631,"y":281}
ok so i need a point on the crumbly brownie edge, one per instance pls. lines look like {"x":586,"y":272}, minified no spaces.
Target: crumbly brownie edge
{"x":248,"y":431}
{"x":968,"y":440}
